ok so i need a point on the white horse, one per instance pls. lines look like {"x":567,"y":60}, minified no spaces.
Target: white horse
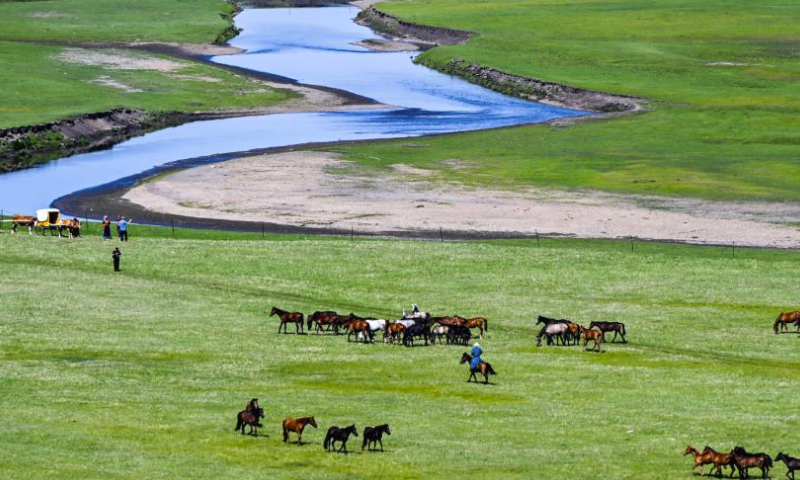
{"x":439,"y":331}
{"x":415,"y":313}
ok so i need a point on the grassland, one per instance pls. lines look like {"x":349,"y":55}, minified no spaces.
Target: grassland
{"x":38,"y":85}
{"x":722,"y":76}
{"x":139,"y":374}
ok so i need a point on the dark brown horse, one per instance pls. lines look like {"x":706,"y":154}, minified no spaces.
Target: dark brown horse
{"x":616,"y":327}
{"x":589,"y":334}
{"x":784,"y":319}
{"x":287,"y":318}
{"x":700,"y":459}
{"x":323,"y":320}
{"x":791,"y":463}
{"x":719,"y":460}
{"x":297,"y":426}
{"x":336,"y":434}
{"x":342,"y":321}
{"x":745,"y":461}
{"x":484,"y":368}
{"x":372,"y":436}
{"x":480,"y":323}
{"x":454,"y":321}
{"x":249,"y":417}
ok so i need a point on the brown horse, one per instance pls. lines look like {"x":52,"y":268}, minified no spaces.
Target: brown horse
{"x":73,"y":227}
{"x":249,"y":417}
{"x":322,"y":319}
{"x":589,"y":334}
{"x":784,"y":319}
{"x":18,"y":220}
{"x":287,"y":318}
{"x":719,"y":460}
{"x":394,"y":332}
{"x":454,"y":321}
{"x":616,"y":327}
{"x":480,"y":323}
{"x":573,"y":332}
{"x":745,"y":461}
{"x":700,"y":459}
{"x":342,"y":321}
{"x":297,"y":426}
{"x":484,"y":368}
{"x":359,"y":326}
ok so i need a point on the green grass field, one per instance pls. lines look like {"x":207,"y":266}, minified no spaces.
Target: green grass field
{"x":723,"y":77}
{"x":140,"y":374}
{"x":38,"y":85}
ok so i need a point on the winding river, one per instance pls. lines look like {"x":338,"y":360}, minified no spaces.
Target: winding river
{"x":313,"y":46}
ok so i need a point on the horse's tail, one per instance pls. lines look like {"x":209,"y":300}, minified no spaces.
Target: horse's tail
{"x":328,"y":437}
{"x":767,"y":461}
{"x":775,"y":325}
{"x":489,"y":369}
{"x":239,"y":422}
{"x":364,"y":443}
{"x":285,"y":433}
{"x":623,"y":329}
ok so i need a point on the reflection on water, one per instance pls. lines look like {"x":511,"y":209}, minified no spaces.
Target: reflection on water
{"x":311,"y":45}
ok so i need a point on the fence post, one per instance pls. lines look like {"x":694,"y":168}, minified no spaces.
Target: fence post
{"x":352,"y":233}
{"x":537,"y":239}
{"x":262,"y":230}
{"x":86,"y":217}
{"x":173,"y":226}
{"x":733,"y":249}
{"x":631,"y":243}
{"x":441,"y":235}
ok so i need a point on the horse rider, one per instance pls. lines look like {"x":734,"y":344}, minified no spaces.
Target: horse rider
{"x":476,"y":353}
{"x":414,"y":308}
{"x":252,"y":405}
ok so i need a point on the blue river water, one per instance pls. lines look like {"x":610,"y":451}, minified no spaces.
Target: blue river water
{"x":313,"y":46}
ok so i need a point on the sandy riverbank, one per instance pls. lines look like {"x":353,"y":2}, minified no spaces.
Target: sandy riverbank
{"x":313,"y":189}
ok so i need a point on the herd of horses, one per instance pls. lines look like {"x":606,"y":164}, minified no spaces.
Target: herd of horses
{"x":739,"y":459}
{"x":570,"y":333}
{"x":409,"y":330}
{"x":373,"y":436}
{"x":72,"y":227}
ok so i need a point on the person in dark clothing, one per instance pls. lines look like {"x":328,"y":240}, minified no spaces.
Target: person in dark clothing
{"x":106,"y":228}
{"x":115,"y":255}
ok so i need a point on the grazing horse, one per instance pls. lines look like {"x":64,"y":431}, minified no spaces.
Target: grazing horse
{"x":616,"y":327}
{"x":341,"y":321}
{"x":784,"y":319}
{"x":745,"y":461}
{"x":372,"y":436}
{"x":18,"y":220}
{"x":719,"y":460}
{"x":394,"y":331}
{"x":484,"y":368}
{"x":480,"y":323}
{"x":336,"y":434}
{"x":792,"y":463}
{"x":700,"y":459}
{"x":322,"y":319}
{"x":458,"y":335}
{"x":73,"y":227}
{"x":438,"y":332}
{"x":453,"y":321}
{"x":287,"y":318}
{"x":589,"y":334}
{"x":552,"y":328}
{"x":249,"y":417}
{"x":359,"y":327}
{"x":297,"y":426}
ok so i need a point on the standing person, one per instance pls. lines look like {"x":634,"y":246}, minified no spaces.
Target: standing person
{"x":122,"y":225}
{"x":106,"y":228}
{"x":115,"y":255}
{"x":476,"y":353}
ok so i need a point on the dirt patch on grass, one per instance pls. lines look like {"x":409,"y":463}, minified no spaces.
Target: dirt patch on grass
{"x":110,"y":82}
{"x":313,"y":189}
{"x":118,"y":60}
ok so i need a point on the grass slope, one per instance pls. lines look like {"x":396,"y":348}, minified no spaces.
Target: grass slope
{"x":723,"y":76}
{"x":139,"y":374}
{"x":37,"y":86}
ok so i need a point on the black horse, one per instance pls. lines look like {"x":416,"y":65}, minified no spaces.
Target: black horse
{"x":336,"y":434}
{"x":249,"y":417}
{"x":372,"y":435}
{"x":419,"y":329}
{"x":616,"y":327}
{"x":792,"y":463}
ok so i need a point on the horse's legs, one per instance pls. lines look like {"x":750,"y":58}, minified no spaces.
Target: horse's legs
{"x":279,"y":326}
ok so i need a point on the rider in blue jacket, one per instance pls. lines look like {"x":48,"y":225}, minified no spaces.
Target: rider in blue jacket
{"x":476,"y":353}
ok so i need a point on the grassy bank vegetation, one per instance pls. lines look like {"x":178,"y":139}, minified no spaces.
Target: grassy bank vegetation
{"x":140,"y":374}
{"x":723,"y":78}
{"x":38,"y":84}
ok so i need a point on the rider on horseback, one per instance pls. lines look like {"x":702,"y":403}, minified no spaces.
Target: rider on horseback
{"x":252,"y":405}
{"x":476,"y":353}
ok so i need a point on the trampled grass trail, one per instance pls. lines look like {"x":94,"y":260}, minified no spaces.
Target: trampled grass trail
{"x":140,"y":374}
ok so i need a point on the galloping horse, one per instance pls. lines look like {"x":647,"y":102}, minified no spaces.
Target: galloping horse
{"x":745,"y":461}
{"x":336,"y":434}
{"x":792,"y":463}
{"x":484,"y":368}
{"x":23,"y":221}
{"x":297,"y":426}
{"x":372,"y":435}
{"x":616,"y":327}
{"x":322,"y":319}
{"x":552,"y":328}
{"x":700,"y":459}
{"x":287,"y":318}
{"x":249,"y":417}
{"x":784,"y":319}
{"x":480,"y":323}
{"x":719,"y":460}
{"x":589,"y":334}
{"x":359,"y":327}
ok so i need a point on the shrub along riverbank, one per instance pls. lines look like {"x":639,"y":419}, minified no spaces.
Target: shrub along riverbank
{"x":723,"y":79}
